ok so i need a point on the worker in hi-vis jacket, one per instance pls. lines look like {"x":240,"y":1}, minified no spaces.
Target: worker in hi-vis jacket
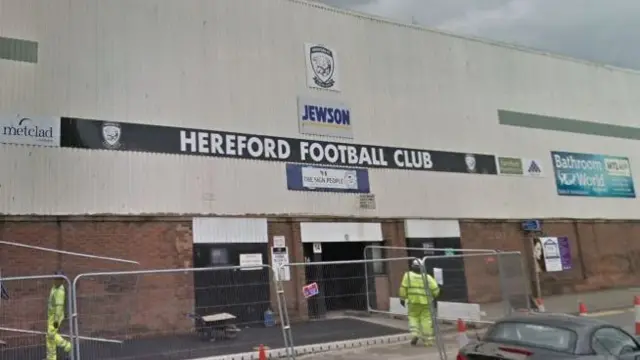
{"x":418,"y":302}
{"x":55,"y":316}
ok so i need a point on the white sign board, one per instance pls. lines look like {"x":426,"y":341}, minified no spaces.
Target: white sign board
{"x":252,"y":261}
{"x":317,"y":248}
{"x":280,"y":257}
{"x":279,"y":241}
{"x":322,"y":67}
{"x":455,"y":310}
{"x":30,"y":130}
{"x":327,"y":178}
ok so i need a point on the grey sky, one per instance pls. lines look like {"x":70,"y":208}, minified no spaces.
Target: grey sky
{"x":604,"y":31}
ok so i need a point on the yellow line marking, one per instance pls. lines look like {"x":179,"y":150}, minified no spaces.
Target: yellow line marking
{"x":607,"y":313}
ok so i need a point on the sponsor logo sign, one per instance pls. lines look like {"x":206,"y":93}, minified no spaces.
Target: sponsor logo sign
{"x":593,"y":175}
{"x":519,"y":166}
{"x":326,"y":118}
{"x":30,"y":130}
{"x":314,"y":178}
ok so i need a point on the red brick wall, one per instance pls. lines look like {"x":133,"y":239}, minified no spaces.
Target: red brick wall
{"x":605,"y":254}
{"x":114,"y":306}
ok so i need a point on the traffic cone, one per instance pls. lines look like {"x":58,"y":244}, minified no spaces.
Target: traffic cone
{"x":540,"y":305}
{"x":582,"y":309}
{"x":462,"y":333}
{"x":636,"y":308}
{"x":262,"y":354}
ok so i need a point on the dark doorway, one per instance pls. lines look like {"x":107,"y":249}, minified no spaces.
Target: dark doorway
{"x":342,"y":286}
{"x":455,"y":280}
{"x":243,"y":293}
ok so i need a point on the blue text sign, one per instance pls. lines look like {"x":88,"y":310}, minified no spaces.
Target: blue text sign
{"x":324,"y":117}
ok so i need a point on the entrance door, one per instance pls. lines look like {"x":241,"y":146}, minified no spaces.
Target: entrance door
{"x":455,"y":280}
{"x":243,"y":293}
{"x":342,"y":286}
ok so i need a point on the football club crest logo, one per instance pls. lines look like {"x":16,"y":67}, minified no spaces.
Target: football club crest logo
{"x":470,"y":161}
{"x":323,"y":66}
{"x":111,"y":133}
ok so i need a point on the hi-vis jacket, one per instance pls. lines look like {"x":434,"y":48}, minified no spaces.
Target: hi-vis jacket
{"x":55,"y":309}
{"x":412,"y":288}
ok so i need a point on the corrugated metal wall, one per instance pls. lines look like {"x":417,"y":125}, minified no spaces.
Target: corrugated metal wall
{"x":238,"y":65}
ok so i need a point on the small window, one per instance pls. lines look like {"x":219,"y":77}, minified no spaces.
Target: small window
{"x":611,"y":341}
{"x":219,"y":257}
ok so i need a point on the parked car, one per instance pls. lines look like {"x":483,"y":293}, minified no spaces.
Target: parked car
{"x":544,"y":336}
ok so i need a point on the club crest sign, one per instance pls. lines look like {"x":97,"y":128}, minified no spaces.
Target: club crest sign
{"x":111,"y":133}
{"x":322,"y":67}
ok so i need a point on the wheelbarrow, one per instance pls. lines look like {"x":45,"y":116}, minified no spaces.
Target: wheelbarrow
{"x":216,"y":326}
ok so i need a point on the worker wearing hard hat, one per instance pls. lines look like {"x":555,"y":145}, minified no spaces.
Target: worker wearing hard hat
{"x":418,"y":301}
{"x":55,"y":315}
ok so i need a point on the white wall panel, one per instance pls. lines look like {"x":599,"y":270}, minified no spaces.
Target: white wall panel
{"x":312,"y":232}
{"x":229,"y":230}
{"x":238,"y":65}
{"x":417,"y":228}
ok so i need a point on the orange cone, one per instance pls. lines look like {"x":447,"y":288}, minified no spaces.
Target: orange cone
{"x":582,"y":309}
{"x":262,"y":354}
{"x":636,"y":308}
{"x":462,"y":333}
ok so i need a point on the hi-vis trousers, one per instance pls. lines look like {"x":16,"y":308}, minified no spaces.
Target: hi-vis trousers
{"x":420,"y":323}
{"x":55,"y":341}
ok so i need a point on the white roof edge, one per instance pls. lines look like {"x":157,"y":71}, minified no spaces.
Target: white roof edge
{"x":465,"y":37}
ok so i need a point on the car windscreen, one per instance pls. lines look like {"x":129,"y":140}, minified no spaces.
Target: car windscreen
{"x":533,"y":335}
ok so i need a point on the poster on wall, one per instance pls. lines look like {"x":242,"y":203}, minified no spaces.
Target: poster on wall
{"x":279,"y":260}
{"x":251,"y":261}
{"x":117,"y":136}
{"x":552,"y":254}
{"x":592,"y":175}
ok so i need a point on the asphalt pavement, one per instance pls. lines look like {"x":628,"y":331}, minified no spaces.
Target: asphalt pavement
{"x":624,"y":318}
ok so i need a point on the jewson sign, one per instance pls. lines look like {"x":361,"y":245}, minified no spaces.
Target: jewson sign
{"x":592,"y":175}
{"x":314,"y":178}
{"x":323,"y":117}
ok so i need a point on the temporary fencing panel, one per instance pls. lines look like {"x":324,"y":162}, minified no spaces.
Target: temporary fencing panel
{"x":333,"y":289}
{"x":23,"y":312}
{"x":165,"y":320}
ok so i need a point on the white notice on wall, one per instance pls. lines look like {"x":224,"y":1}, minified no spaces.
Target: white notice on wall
{"x":279,"y":241}
{"x":280,"y":257}
{"x":437,"y":275}
{"x":251,"y":261}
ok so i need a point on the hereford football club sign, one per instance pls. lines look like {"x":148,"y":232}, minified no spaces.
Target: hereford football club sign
{"x":95,"y":134}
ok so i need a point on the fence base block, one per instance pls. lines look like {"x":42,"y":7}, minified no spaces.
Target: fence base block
{"x":317,"y":348}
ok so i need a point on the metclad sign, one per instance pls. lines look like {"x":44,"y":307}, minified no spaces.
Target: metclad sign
{"x":91,"y":134}
{"x":30,"y":130}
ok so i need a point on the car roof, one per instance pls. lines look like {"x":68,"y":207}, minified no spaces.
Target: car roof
{"x":556,"y":320}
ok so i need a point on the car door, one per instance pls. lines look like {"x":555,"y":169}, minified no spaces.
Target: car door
{"x":611,"y":341}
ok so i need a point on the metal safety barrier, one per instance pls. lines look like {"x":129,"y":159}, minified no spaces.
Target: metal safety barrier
{"x":454,"y":290}
{"x":480,"y":287}
{"x":168,"y":320}
{"x":23,"y":313}
{"x":334,"y":293}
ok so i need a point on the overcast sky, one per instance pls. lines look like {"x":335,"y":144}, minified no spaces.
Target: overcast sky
{"x":605,"y":31}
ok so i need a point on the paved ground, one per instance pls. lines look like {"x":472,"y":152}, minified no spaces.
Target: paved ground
{"x":189,"y":346}
{"x":388,"y":352}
